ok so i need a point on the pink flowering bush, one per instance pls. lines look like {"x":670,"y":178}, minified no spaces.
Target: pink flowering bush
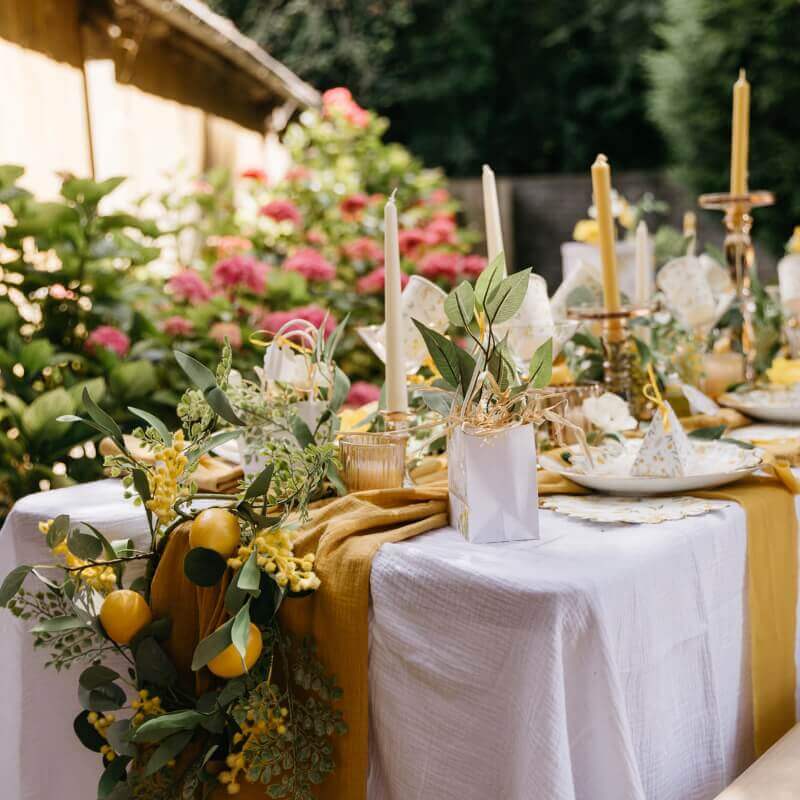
{"x":245,"y":272}
{"x":361,"y":393}
{"x":111,"y":338}
{"x":311,"y":243}
{"x":311,"y":264}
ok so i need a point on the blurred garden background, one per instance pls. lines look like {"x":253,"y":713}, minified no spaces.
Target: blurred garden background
{"x":177,"y":174}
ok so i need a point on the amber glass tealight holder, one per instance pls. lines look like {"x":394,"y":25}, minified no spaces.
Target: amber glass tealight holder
{"x":373,"y":460}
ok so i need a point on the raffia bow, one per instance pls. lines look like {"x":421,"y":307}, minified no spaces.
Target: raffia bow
{"x":653,"y":394}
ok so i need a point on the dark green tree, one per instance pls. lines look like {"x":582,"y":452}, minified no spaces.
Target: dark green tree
{"x":703,"y":45}
{"x":529,"y":86}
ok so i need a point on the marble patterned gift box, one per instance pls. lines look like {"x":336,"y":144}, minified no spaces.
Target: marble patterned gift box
{"x":665,"y":450}
{"x":492,"y":484}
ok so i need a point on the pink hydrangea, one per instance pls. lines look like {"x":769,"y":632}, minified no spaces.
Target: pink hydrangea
{"x":229,"y":245}
{"x":189,"y":287}
{"x":273,"y":321}
{"x":282,"y":211}
{"x":363,"y":249}
{"x":340,"y":101}
{"x":220,"y":331}
{"x":375,"y":281}
{"x":352,"y":205}
{"x":411,"y":240}
{"x":440,"y":264}
{"x":316,"y":236}
{"x":240,"y":270}
{"x":361,"y":393}
{"x":255,"y":174}
{"x":177,"y":326}
{"x":472,"y":266}
{"x":441,"y":230}
{"x":438,"y":197}
{"x":109,"y":337}
{"x":297,"y":173}
{"x":311,"y":264}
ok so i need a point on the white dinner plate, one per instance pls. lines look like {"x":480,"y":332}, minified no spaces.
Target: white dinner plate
{"x":759,"y":405}
{"x":732,"y":464}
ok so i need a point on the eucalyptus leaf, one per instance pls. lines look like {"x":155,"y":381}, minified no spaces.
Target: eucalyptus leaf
{"x":97,"y":675}
{"x":541,"y":367}
{"x":302,"y":432}
{"x":84,"y":545}
{"x":249,"y":577}
{"x":460,"y":305}
{"x":86,"y":732}
{"x":234,"y":596}
{"x":507,"y":299}
{"x":153,"y":664}
{"x":231,"y":691}
{"x":59,"y":625}
{"x":711,"y":433}
{"x":212,"y":645}
{"x":58,"y":530}
{"x":106,"y":697}
{"x":159,"y":728}
{"x":240,"y":631}
{"x":13,"y":583}
{"x":141,"y":484}
{"x":204,"y":566}
{"x":167,"y":750}
{"x":466,"y":367}
{"x":103,"y":420}
{"x":218,"y":401}
{"x":443,"y":352}
{"x":112,"y":775}
{"x":489,"y":280}
{"x":264,"y":607}
{"x":118,"y":736}
{"x":154,"y":422}
{"x":341,"y":388}
{"x":259,"y":486}
{"x":199,"y":374}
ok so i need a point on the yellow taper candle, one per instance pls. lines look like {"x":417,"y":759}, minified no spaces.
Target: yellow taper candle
{"x":396,"y":390}
{"x":601,"y":186}
{"x":740,"y":138}
{"x":491,"y":212}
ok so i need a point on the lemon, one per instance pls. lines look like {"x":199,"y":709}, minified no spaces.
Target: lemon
{"x":123,"y":614}
{"x":228,"y":664}
{"x":215,"y":529}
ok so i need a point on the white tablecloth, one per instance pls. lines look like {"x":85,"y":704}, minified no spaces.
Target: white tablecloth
{"x":600,"y":663}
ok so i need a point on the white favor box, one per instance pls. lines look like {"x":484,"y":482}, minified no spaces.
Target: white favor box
{"x":492,"y":484}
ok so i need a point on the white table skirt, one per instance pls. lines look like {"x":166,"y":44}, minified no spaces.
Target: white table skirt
{"x":604,"y":662}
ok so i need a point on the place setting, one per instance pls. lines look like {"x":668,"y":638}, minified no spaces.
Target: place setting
{"x":313,"y":489}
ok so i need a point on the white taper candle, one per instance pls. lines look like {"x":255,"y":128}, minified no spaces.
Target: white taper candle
{"x":396,"y":390}
{"x":491,"y":211}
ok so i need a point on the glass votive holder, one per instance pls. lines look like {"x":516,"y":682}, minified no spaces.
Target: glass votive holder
{"x":373,"y":460}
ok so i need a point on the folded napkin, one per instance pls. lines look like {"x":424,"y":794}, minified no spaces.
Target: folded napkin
{"x":212,"y":474}
{"x":728,"y":417}
{"x":786,"y":449}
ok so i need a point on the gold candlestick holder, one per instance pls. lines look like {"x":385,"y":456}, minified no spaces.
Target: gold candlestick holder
{"x":622,"y":371}
{"x":741,"y":259}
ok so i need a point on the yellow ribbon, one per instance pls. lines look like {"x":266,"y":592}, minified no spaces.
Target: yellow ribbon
{"x":653,"y":394}
{"x":281,"y":340}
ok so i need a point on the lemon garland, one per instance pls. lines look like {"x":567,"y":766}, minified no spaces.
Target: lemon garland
{"x":247,"y":730}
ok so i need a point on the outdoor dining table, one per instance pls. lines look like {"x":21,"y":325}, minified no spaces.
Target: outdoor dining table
{"x":601,"y":662}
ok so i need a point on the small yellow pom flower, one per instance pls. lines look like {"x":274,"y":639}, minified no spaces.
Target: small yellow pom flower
{"x":586,"y":231}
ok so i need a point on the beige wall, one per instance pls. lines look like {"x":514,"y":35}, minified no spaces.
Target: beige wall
{"x":74,"y":100}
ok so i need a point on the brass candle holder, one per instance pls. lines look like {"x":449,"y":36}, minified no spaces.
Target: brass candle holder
{"x":622,"y":373}
{"x":740,"y":257}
